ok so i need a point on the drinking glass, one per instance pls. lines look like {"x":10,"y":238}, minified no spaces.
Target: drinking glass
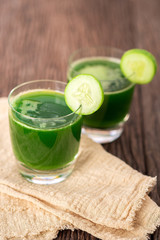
{"x":45,"y":145}
{"x":106,"y":124}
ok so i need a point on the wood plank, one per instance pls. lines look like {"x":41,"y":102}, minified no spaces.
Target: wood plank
{"x":148,"y":37}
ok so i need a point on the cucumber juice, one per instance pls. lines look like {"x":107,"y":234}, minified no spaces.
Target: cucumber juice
{"x":45,"y":133}
{"x":118,"y":91}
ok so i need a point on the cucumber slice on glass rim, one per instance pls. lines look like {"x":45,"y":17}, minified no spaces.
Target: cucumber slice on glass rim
{"x":138,"y":66}
{"x":86,"y":91}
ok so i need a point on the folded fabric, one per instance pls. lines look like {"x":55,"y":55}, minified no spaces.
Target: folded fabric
{"x":104,"y":197}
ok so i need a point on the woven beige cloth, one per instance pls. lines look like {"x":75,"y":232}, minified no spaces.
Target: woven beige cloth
{"x":104,"y":197}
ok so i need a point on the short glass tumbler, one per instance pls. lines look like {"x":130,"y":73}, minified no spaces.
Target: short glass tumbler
{"x":45,"y":133}
{"x":106,"y":124}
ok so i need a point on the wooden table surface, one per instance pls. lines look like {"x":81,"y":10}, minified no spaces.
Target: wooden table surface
{"x":37,"y":38}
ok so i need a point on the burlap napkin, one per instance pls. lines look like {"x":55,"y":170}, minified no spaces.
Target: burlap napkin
{"x":103,"y":196}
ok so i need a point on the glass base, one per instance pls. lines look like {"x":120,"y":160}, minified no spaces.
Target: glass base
{"x":102,"y":136}
{"x":105,"y":135}
{"x":46,"y":177}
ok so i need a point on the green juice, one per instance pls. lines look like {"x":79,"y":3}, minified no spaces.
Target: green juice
{"x":118,"y":90}
{"x":43,"y":138}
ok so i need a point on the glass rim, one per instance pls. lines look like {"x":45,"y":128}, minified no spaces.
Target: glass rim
{"x":93,"y":47}
{"x":70,"y":62}
{"x":39,"y":118}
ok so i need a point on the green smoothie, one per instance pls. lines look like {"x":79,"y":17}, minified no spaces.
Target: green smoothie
{"x":118,"y":90}
{"x":45,"y":133}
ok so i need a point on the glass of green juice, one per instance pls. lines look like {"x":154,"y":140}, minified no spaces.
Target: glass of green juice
{"x":45,"y":133}
{"x":107,"y":123}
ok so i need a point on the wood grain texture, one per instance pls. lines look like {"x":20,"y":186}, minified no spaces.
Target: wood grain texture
{"x":37,"y":38}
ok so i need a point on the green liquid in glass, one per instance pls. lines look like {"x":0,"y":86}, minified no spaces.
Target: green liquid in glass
{"x":40,"y":144}
{"x":118,"y":90}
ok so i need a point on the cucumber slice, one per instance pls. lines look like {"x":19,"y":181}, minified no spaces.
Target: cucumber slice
{"x":86,"y":91}
{"x":138,"y":66}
